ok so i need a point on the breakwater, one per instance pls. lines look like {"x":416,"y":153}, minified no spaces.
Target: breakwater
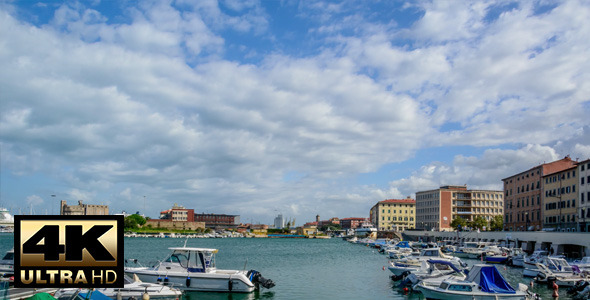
{"x":570,"y":244}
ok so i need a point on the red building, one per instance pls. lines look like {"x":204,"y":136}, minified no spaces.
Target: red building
{"x":218,"y":221}
{"x":352,"y":223}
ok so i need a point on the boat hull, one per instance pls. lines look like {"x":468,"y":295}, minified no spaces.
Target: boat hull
{"x":437,"y":293}
{"x":496,"y":259}
{"x":235,"y":282}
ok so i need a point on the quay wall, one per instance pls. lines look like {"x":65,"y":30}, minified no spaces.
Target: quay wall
{"x":570,"y":244}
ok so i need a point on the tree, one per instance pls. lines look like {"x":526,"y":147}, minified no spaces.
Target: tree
{"x":479,"y":223}
{"x":497,"y":223}
{"x":134,"y":221}
{"x":458,"y":222}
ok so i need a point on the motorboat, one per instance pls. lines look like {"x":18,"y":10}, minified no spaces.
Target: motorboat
{"x":194,"y":269}
{"x":530,"y":263}
{"x":580,"y":291}
{"x":7,"y":263}
{"x":556,"y":264}
{"x":433,"y":272}
{"x":133,"y":288}
{"x":469,"y":250}
{"x":557,"y":269}
{"x":483,"y":282}
{"x":516,"y":257}
{"x":582,"y":264}
{"x":413,"y":263}
{"x":365,"y":230}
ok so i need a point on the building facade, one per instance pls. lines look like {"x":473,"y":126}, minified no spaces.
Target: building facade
{"x":436,"y":209}
{"x":82,"y":209}
{"x":527,"y":188}
{"x":178,"y":213}
{"x":584,"y":196}
{"x":279,"y":222}
{"x":394,"y":214}
{"x":560,"y":198}
{"x":218,"y":221}
{"x":352,"y":223}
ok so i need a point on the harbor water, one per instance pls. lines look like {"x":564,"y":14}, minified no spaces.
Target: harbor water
{"x":301,"y":268}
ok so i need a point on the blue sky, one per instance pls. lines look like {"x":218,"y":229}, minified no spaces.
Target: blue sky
{"x":298,"y":107}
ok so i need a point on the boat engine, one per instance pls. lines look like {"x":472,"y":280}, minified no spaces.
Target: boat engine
{"x":257,"y":279}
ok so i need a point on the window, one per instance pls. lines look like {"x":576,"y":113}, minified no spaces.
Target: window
{"x":582,"y":181}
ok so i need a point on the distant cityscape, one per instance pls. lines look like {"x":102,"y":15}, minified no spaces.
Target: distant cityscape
{"x":553,"y":196}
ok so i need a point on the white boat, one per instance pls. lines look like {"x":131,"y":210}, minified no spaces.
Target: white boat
{"x":582,"y":264}
{"x":469,"y":250}
{"x":131,"y":289}
{"x":194,"y":269}
{"x":413,"y":263}
{"x":530,"y":263}
{"x":6,"y":219}
{"x":365,"y":230}
{"x":557,"y":269}
{"x":483,"y":282}
{"x":433,"y":272}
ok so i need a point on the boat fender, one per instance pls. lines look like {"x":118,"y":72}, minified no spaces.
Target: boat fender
{"x":119,"y":296}
{"x":145,"y":296}
{"x":230,"y":285}
{"x":188,"y":282}
{"x":166,"y":280}
{"x":541,"y":276}
{"x":159,"y":279}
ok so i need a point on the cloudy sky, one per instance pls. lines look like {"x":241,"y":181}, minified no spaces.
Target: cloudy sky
{"x":263,"y":107}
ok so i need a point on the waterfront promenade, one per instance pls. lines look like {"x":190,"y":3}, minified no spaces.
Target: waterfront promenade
{"x":570,"y":244}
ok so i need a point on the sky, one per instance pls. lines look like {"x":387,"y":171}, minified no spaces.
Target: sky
{"x":299,"y":108}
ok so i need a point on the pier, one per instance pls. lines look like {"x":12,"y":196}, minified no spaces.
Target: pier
{"x":570,"y":244}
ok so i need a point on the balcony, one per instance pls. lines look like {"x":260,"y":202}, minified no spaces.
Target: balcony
{"x":464,"y":212}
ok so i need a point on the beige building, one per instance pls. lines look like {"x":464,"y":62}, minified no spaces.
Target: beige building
{"x":178,"y":225}
{"x":584,"y":196}
{"x":436,"y":209}
{"x":82,"y":209}
{"x":560,"y":195}
{"x":394,"y":214}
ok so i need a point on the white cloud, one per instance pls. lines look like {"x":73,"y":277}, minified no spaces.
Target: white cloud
{"x":115,"y":110}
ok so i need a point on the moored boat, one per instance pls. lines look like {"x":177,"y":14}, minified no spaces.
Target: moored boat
{"x":194,"y":269}
{"x":133,"y":288}
{"x":483,"y":282}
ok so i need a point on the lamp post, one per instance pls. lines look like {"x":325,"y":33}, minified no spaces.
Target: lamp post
{"x":526,"y":214}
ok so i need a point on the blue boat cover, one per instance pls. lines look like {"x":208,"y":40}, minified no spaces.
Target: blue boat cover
{"x":403,"y":244}
{"x":491,"y":281}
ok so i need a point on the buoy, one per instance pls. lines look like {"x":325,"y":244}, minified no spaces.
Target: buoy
{"x":406,"y":290}
{"x":383,"y":268}
{"x":555,"y":290}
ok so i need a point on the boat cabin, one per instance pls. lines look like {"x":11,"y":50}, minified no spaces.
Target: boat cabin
{"x":460,"y":286}
{"x":196,"y":260}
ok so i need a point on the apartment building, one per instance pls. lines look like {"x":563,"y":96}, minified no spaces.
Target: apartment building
{"x":218,"y":221}
{"x":523,"y":198}
{"x":394,"y":214}
{"x":436,"y":209}
{"x":584,"y":196}
{"x":560,"y":196}
{"x":352,"y":223}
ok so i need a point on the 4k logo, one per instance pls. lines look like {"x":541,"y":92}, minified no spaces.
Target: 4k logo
{"x":68,"y":251}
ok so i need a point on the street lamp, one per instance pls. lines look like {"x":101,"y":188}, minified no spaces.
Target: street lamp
{"x":526,"y":214}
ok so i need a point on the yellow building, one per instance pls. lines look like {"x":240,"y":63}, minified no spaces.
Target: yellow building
{"x":394,"y":214}
{"x":560,"y":200}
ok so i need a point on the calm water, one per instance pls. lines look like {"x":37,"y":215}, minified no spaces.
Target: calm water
{"x":301,"y":268}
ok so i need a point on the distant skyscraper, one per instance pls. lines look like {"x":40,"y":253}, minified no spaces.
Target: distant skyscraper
{"x":279,"y":222}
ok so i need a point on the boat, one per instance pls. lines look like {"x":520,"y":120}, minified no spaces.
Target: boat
{"x":6,"y":219}
{"x":433,"y":272}
{"x":530,"y":263}
{"x":133,"y":288}
{"x":582,"y":264}
{"x":365,"y":230}
{"x":413,"y":263}
{"x":469,"y":250}
{"x":194,"y":269}
{"x":483,"y":282}
{"x":557,"y":269}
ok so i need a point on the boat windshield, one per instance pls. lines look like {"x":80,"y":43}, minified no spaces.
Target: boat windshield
{"x":9,"y":256}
